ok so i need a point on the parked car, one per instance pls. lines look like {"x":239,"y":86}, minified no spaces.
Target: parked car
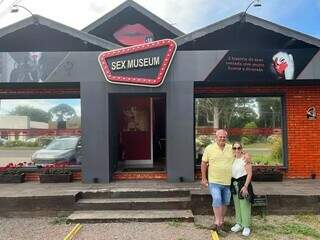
{"x":3,"y":141}
{"x":61,"y":150}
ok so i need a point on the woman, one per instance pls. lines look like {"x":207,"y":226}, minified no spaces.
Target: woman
{"x":241,"y":190}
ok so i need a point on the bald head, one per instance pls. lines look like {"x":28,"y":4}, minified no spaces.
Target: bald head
{"x":221,"y":137}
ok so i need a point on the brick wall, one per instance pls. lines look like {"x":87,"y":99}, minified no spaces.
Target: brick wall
{"x":303,"y":134}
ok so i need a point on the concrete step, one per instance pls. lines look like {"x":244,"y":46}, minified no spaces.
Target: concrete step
{"x":134,"y":193}
{"x":131,"y":216}
{"x":134,"y":203}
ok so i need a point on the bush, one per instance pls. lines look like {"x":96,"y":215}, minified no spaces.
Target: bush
{"x":277,"y":148}
{"x":245,"y":141}
{"x":15,"y":143}
{"x":31,"y":144}
{"x":202,"y":141}
{"x":250,"y":138}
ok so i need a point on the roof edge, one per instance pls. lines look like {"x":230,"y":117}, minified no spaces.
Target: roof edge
{"x":139,"y":8}
{"x":208,"y":29}
{"x":282,"y":30}
{"x":250,"y":19}
{"x":37,"y":19}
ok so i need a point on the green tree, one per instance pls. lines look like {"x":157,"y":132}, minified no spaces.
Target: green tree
{"x":62,"y":112}
{"x":225,"y":112}
{"x":34,"y":114}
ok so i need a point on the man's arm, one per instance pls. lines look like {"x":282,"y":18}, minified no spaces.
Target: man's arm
{"x":204,"y":169}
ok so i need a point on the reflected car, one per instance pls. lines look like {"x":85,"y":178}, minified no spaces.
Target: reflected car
{"x":61,"y":150}
{"x":3,"y":141}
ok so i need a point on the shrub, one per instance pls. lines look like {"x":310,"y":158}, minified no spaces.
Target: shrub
{"x":250,"y":138}
{"x":31,"y":144}
{"x":12,"y":169}
{"x":56,"y":168}
{"x":245,"y":140}
{"x":15,"y":143}
{"x":277,"y":148}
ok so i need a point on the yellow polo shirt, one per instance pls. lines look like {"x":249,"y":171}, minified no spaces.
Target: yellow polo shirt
{"x":220,"y":163}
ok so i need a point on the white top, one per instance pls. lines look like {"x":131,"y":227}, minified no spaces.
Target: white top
{"x":238,"y":169}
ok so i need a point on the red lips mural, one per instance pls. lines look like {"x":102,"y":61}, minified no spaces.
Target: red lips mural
{"x":135,"y":34}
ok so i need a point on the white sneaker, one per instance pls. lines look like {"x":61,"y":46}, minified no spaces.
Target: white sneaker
{"x":246,"y":232}
{"x":236,"y":228}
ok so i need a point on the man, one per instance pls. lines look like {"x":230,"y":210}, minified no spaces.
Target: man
{"x":217,"y":159}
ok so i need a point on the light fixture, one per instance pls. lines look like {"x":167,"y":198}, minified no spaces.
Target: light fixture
{"x":255,"y":3}
{"x":15,"y":9}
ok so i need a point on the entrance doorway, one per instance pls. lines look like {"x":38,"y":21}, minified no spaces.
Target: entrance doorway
{"x":139,"y":125}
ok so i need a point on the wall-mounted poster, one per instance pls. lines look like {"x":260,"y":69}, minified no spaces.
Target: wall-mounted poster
{"x":263,"y":65}
{"x":28,"y":66}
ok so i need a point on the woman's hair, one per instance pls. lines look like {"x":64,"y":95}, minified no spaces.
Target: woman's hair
{"x":238,"y":144}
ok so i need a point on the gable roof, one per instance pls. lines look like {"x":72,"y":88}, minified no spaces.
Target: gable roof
{"x":38,"y":33}
{"x":165,"y":27}
{"x":237,"y":23}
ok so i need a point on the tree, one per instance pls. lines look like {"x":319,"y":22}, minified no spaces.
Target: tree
{"x":62,"y":112}
{"x":34,"y":114}
{"x":225,"y":112}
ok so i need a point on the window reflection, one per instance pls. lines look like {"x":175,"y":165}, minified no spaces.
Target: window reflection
{"x":254,"y":121}
{"x":40,"y":131}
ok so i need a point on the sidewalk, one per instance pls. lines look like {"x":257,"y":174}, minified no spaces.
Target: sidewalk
{"x":306,"y":187}
{"x":34,"y":198}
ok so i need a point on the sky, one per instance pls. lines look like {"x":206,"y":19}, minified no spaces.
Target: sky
{"x":186,"y":15}
{"x":44,"y":104}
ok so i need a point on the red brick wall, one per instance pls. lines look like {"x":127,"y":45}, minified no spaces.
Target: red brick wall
{"x":303,"y":134}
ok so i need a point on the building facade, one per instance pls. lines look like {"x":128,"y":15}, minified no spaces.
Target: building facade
{"x":257,"y":79}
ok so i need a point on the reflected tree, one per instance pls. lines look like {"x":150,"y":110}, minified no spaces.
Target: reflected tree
{"x":62,"y":112}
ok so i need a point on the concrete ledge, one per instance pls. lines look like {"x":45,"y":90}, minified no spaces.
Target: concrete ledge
{"x":36,"y":205}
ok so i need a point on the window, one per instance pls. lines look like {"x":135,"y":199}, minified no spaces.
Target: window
{"x":256,"y":122}
{"x":40,"y":131}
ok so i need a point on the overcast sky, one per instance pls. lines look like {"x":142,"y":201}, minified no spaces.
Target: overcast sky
{"x":186,"y":15}
{"x":45,"y":104}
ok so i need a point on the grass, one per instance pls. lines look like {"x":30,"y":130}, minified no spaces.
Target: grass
{"x":276,"y":227}
{"x":59,"y":220}
{"x":298,"y":227}
{"x":19,"y":148}
{"x":175,"y":223}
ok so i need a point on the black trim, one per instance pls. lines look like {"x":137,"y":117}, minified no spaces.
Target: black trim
{"x":252,"y":83}
{"x":39,"y":94}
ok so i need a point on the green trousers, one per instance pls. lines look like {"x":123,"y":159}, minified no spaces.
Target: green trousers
{"x":242,"y":208}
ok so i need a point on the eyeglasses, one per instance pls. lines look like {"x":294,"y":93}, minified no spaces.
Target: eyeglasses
{"x":236,"y":148}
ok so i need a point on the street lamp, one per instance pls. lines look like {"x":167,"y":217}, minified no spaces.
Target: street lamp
{"x":273,"y":117}
{"x":15,"y":8}
{"x":255,"y":3}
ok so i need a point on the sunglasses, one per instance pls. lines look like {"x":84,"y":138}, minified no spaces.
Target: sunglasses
{"x":237,"y":148}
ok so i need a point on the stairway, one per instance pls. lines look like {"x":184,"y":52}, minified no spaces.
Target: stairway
{"x":125,"y":205}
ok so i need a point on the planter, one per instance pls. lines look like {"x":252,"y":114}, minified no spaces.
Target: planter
{"x":9,"y":178}
{"x":55,"y":178}
{"x":267,"y":177}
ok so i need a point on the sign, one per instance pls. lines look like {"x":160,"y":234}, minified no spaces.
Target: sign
{"x":311,"y":113}
{"x":262,"y":65}
{"x":140,"y":65}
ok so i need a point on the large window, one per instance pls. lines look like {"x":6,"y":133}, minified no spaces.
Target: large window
{"x":36,"y":132}
{"x":256,"y":122}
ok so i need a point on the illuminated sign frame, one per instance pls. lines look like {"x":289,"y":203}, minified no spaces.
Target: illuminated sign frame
{"x":139,"y":81}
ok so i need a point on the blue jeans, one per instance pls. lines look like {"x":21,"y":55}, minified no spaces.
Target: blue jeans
{"x":220,"y":194}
